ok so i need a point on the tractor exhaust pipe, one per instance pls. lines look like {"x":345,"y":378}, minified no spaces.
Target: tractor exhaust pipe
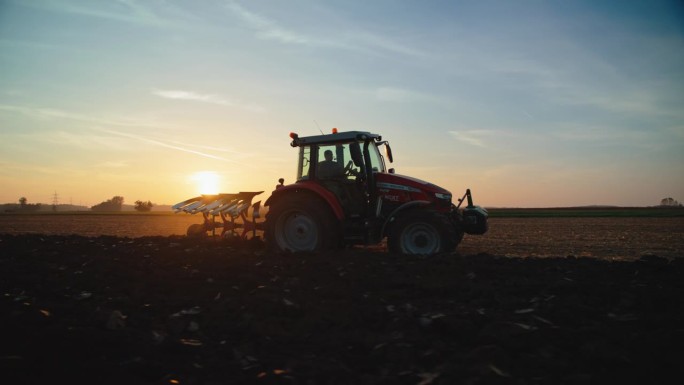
{"x":470,"y":198}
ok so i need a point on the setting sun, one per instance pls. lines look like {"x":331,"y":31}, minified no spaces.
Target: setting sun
{"x":207,"y":182}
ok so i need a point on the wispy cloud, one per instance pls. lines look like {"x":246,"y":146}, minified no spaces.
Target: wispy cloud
{"x":181,"y":148}
{"x":633,"y":103}
{"x":129,"y":11}
{"x":212,"y":148}
{"x":376,"y":41}
{"x":206,"y":98}
{"x":189,"y":95}
{"x":97,"y":125}
{"x":42,"y":112}
{"x":615,"y":136}
{"x":477,"y":137}
{"x":51,"y":113}
{"x":267,"y":29}
{"x":356,"y":40}
{"x":167,"y":145}
{"x":590,"y":81}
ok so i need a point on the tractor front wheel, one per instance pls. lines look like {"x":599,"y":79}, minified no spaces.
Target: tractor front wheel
{"x":421,"y":232}
{"x":300,"y":223}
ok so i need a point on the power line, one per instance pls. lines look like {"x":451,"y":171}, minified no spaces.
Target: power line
{"x":55,"y":201}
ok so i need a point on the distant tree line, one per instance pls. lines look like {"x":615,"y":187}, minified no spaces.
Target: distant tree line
{"x":143,"y":206}
{"x":669,"y":202}
{"x":25,"y":206}
{"x":113,"y":204}
{"x":116,"y":204}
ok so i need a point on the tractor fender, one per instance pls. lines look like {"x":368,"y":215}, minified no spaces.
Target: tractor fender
{"x":310,"y":188}
{"x":401,"y":209}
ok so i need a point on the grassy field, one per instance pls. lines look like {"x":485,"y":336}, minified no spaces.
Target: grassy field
{"x":588,"y":212}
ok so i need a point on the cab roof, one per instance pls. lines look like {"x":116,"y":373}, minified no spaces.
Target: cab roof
{"x":340,"y":137}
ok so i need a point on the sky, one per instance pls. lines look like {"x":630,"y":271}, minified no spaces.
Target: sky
{"x":527,"y":103}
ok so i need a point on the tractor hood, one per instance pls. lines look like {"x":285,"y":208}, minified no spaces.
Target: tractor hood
{"x":409,"y":187}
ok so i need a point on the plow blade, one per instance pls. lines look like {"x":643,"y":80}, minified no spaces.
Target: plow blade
{"x":228,"y":207}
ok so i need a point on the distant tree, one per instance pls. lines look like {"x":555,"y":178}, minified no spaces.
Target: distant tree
{"x":143,"y":206}
{"x":669,"y":202}
{"x":117,"y":200}
{"x":25,"y":206}
{"x":113,"y":204}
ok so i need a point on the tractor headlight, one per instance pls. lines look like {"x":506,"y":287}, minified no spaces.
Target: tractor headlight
{"x":445,"y":197}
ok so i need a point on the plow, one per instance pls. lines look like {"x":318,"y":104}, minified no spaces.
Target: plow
{"x":344,"y":194}
{"x":233,"y":211}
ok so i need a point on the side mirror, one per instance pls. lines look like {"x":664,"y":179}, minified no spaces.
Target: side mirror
{"x":355,"y":150}
{"x":388,"y":152}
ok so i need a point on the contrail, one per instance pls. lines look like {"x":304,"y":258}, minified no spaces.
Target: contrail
{"x":162,"y":144}
{"x":59,"y":114}
{"x":183,"y":149}
{"x":208,"y":147}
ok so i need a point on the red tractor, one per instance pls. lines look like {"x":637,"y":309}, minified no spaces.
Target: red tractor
{"x":345,"y":195}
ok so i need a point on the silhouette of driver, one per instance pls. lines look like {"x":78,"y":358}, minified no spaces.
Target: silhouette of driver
{"x":328,"y":168}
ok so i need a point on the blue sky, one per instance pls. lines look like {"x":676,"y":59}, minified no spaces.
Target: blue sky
{"x":528,"y":103}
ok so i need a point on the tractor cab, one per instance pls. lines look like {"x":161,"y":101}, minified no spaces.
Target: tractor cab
{"x":338,"y":156}
{"x":343,"y":163}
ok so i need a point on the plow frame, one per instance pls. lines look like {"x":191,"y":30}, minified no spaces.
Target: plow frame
{"x":229,"y":207}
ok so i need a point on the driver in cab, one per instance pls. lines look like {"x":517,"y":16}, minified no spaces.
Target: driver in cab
{"x":328,"y":168}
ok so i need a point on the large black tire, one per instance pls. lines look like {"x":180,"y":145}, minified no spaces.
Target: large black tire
{"x":423,"y":232}
{"x":456,"y":227}
{"x":300,"y":222}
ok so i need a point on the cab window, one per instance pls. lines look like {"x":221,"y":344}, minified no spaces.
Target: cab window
{"x":303,"y":167}
{"x":377,"y":163}
{"x":334,"y":162}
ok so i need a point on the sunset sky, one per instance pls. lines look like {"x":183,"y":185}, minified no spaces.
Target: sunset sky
{"x":528,"y":103}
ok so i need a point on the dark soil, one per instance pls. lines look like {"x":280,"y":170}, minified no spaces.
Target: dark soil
{"x":173,"y":310}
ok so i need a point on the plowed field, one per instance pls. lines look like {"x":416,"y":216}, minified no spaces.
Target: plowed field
{"x":128,"y":299}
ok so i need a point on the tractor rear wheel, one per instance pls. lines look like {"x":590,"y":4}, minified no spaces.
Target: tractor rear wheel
{"x":300,"y":223}
{"x":422,"y":232}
